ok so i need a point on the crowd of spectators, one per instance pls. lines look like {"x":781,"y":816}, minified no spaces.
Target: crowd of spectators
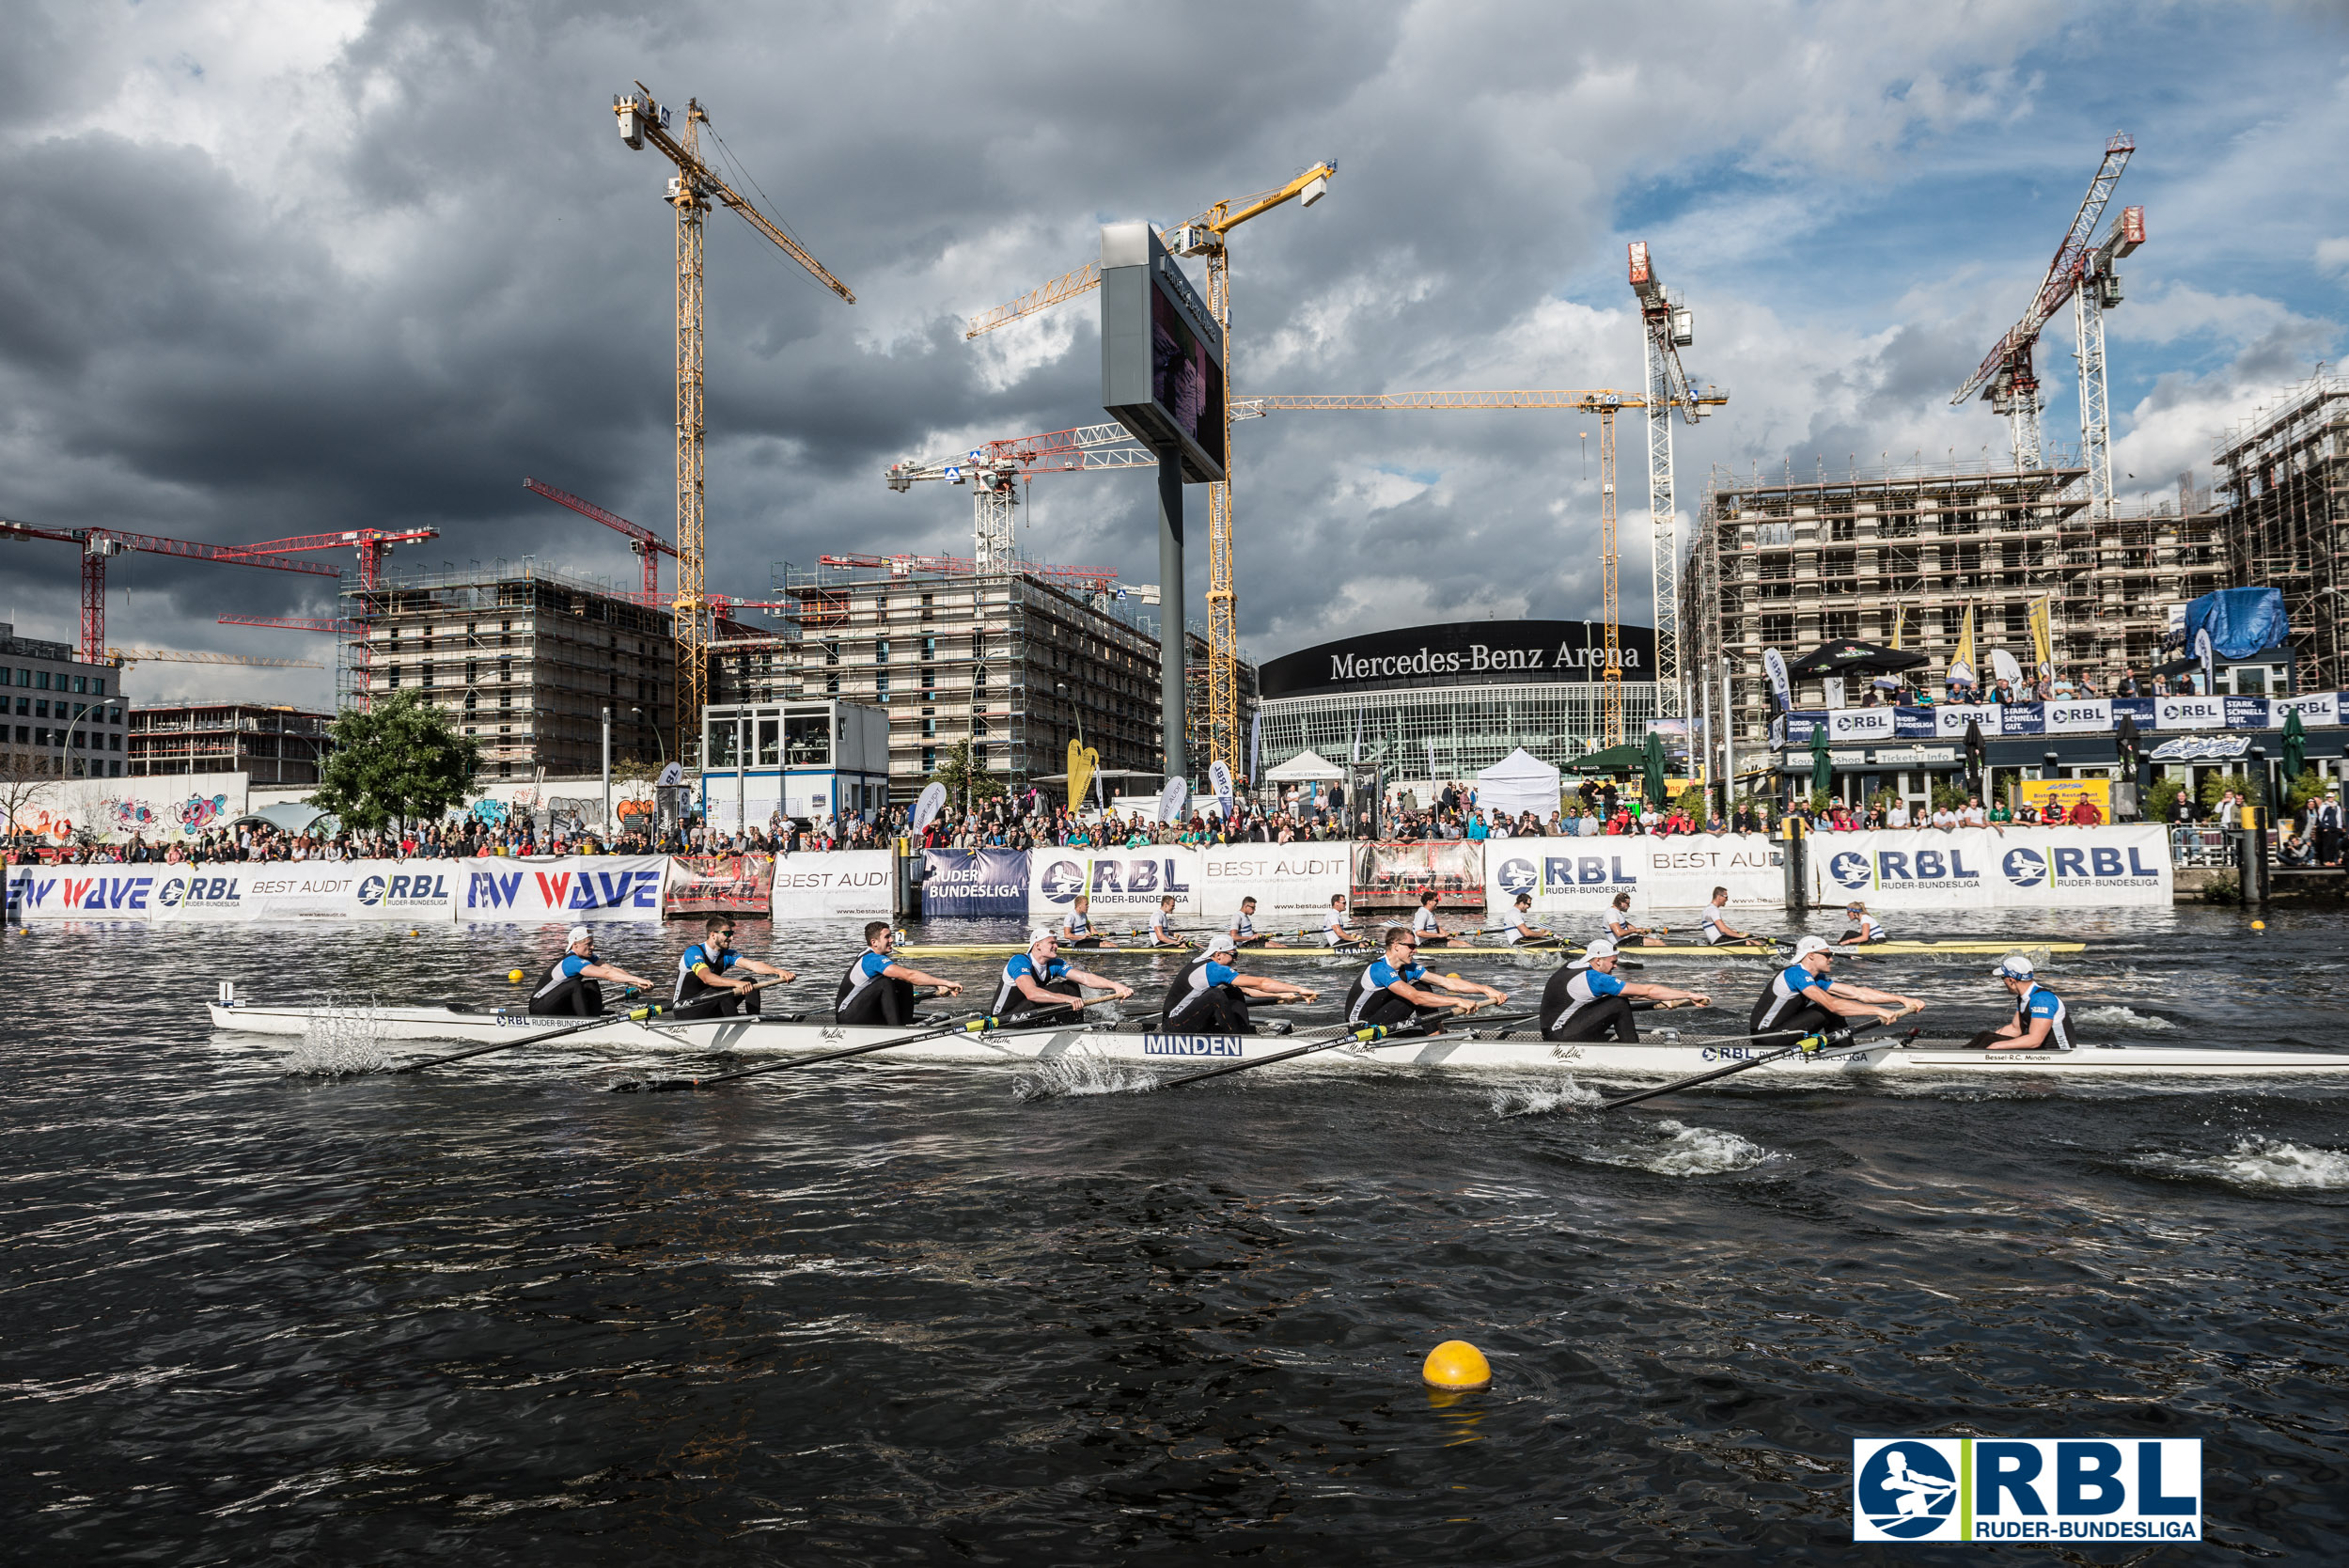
{"x":2075,"y":684}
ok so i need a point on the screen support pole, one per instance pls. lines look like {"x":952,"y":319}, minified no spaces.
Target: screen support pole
{"x":1171,"y":635}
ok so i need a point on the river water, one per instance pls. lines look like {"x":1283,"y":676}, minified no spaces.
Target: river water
{"x":879,"y":1313}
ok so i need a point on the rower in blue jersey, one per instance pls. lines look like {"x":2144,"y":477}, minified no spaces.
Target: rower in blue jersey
{"x":1862,"y":928}
{"x":714,"y":980}
{"x":1521,"y":929}
{"x":1589,"y":1000}
{"x":1716,"y":927}
{"x":568,"y":987}
{"x":1212,"y":997}
{"x":2040,"y":1022}
{"x":1397,"y":987}
{"x":1041,"y":990}
{"x":1621,"y":931}
{"x":878,"y":989}
{"x":1801,"y":999}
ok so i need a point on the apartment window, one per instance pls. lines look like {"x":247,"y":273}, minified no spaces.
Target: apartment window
{"x":881,"y":686}
{"x":505,"y":699}
{"x":113,"y":770}
{"x":1778,"y":630}
{"x":427,"y":675}
{"x":97,"y":685}
{"x":1839,"y":623}
{"x":880,"y":651}
{"x":930,"y":648}
{"x":391,"y":676}
{"x":40,"y":708}
{"x":40,"y":680}
{"x":930,"y":758}
{"x":114,"y":743}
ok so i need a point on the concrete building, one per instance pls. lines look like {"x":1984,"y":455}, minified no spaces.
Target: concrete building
{"x":274,"y":746}
{"x":526,"y":660}
{"x":58,"y":715}
{"x":2283,"y":478}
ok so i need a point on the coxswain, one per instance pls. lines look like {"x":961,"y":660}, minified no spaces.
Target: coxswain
{"x":1716,"y":927}
{"x":1801,"y":999}
{"x":877,"y":989}
{"x":2040,"y":1022}
{"x":1243,"y":933}
{"x":1211,"y":996}
{"x":1621,"y":931}
{"x":1077,"y":929}
{"x":1337,"y":930}
{"x":1863,"y":929}
{"x":1396,"y":987}
{"x":1522,"y":930}
{"x":570,"y":988}
{"x":714,"y":980}
{"x":1425,"y":926}
{"x":1162,"y":926}
{"x":1040,"y":989}
{"x":1589,"y":1000}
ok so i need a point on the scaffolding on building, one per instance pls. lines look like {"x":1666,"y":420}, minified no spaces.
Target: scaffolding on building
{"x":2283,"y":472}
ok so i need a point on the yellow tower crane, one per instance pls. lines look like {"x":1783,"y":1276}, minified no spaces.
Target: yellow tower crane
{"x":1203,"y":236}
{"x":690,"y":190}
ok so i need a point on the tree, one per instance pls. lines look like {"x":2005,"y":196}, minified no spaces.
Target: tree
{"x":966,"y":783}
{"x":398,"y":761}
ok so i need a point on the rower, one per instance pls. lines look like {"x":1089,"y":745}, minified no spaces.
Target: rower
{"x":569,"y":987}
{"x":1716,"y":928}
{"x":1040,"y":989}
{"x":1077,"y":929}
{"x":1522,"y":928}
{"x":1212,"y":997}
{"x":1425,"y":926}
{"x":2040,"y":1022}
{"x":877,"y":989}
{"x":1864,"y":928}
{"x":1243,"y":932}
{"x":1587,"y":1000}
{"x":1623,"y":933}
{"x":1337,"y":930}
{"x":714,"y":980}
{"x":1395,"y":987}
{"x":1162,"y":927}
{"x":1801,"y":999}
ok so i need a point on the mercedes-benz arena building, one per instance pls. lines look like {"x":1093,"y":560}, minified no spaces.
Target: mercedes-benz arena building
{"x":1446,"y":701}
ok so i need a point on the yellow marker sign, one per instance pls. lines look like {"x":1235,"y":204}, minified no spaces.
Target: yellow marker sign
{"x":1083,"y":760}
{"x":2056,"y":797}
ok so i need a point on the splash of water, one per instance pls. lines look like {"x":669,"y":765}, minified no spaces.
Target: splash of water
{"x":2126,"y":1018}
{"x":1515,"y":1100}
{"x":342,"y":1040}
{"x":1690,"y":1151}
{"x":2260,"y":1162}
{"x":1078,"y":1073}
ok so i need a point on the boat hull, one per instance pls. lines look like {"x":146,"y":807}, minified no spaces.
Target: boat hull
{"x":1763,"y":952}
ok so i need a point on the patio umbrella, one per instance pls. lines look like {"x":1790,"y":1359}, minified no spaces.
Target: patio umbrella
{"x":2295,"y":746}
{"x":1615,"y":758}
{"x":1822,"y":763}
{"x":1848,"y":656}
{"x":1651,"y":770}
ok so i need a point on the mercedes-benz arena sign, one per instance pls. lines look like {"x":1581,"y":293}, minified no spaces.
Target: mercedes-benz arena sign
{"x":1461,"y":654}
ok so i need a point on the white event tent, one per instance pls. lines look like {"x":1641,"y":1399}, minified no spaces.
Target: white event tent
{"x":1518,"y":782}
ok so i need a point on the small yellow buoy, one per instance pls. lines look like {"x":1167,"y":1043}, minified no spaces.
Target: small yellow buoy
{"x":1457,"y":1364}
{"x":514,"y":975}
{"x":2259,"y":925}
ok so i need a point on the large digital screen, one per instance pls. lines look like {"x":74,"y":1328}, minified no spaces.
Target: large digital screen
{"x":1162,"y":357}
{"x":1184,"y":380}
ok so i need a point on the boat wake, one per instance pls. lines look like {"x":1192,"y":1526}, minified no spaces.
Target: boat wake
{"x":1057,"y":1078}
{"x":1515,"y":1100}
{"x":1689,"y":1152}
{"x":341,"y":1041}
{"x":2267,"y":1163}
{"x":2126,"y":1018}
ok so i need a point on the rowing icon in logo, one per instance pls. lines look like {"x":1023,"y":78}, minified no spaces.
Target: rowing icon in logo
{"x":2024,"y":868}
{"x":1850,"y":868}
{"x":1063,"y":881}
{"x":1517,"y":876}
{"x":174,"y":888}
{"x":1907,"y":1490}
{"x":371,"y":891}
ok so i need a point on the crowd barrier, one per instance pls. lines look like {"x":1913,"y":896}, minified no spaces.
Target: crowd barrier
{"x":1986,"y":867}
{"x":557,"y":891}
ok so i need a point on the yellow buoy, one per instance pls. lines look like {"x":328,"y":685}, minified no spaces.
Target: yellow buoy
{"x":2259,"y":925}
{"x":514,"y":975}
{"x":1457,"y":1364}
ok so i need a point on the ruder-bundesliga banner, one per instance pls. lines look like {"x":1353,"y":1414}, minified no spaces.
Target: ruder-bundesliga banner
{"x":2037,"y":1490}
{"x":1581,"y":876}
{"x":1120,"y":881}
{"x":836,"y":884}
{"x":1290,"y":882}
{"x":1390,"y":873}
{"x":975,"y":882}
{"x":570,"y":890}
{"x":720,"y":885}
{"x":2017,"y":867}
{"x":2081,"y":717}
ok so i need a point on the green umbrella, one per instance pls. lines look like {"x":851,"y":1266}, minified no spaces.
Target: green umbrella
{"x":2295,"y":746}
{"x":1652,"y":769}
{"x":1821,"y":763}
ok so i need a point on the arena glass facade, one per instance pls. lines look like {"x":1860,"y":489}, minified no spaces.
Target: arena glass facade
{"x":1446,"y":701}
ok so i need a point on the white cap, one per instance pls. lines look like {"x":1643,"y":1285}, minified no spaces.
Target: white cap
{"x":1042,"y":933}
{"x":2014,"y":966}
{"x":1602,"y":948}
{"x":1222,"y":942}
{"x":1808,"y":946}
{"x":578,"y":934}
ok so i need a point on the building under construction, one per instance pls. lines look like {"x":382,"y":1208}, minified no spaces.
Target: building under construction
{"x":276,"y":744}
{"x":2283,"y":480}
{"x":526,"y":661}
{"x":1904,"y":554}
{"x":1016,"y":663}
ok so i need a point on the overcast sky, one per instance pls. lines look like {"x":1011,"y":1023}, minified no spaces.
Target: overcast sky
{"x":276,"y":267}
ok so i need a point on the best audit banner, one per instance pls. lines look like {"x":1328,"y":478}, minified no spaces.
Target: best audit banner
{"x":836,"y":884}
{"x":569,"y":889}
{"x":2019,"y":868}
{"x":1680,"y":871}
{"x":1289,"y":882}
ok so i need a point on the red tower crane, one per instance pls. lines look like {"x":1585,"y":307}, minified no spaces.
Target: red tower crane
{"x":643,"y":541}
{"x":98,"y":546}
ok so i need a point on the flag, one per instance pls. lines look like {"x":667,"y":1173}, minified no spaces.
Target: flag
{"x":1256,"y":745}
{"x":1962,"y":662}
{"x":1899,"y":624}
{"x":2042,"y":641}
{"x":1773,"y":664}
{"x":1357,"y":736}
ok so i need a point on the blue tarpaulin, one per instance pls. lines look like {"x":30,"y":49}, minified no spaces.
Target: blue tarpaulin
{"x":2241,"y":620}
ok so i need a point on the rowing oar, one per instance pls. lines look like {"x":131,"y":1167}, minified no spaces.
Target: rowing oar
{"x":976,"y":1022}
{"x":1345,"y":1035}
{"x":1846,"y":1040}
{"x":636,"y":1015}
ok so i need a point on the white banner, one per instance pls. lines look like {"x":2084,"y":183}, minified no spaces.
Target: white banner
{"x":1121,"y":881}
{"x":1289,"y":882}
{"x":415,"y":891}
{"x":2092,"y":716}
{"x":2016,"y":867}
{"x":2324,"y":708}
{"x":1583,"y":875}
{"x":1950,"y":721}
{"x":576,"y":889}
{"x":836,"y":884}
{"x":1860,"y":723}
{"x":82,"y":892}
{"x":2191,"y":713}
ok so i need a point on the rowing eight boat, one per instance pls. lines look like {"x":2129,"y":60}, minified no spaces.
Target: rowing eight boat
{"x":1954,"y":949}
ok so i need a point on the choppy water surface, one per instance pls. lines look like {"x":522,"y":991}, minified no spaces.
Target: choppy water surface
{"x":887,"y":1313}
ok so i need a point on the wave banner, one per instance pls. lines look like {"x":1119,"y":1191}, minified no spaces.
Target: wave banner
{"x":579,"y":890}
{"x":836,"y":884}
{"x":125,"y":893}
{"x":2015,"y":867}
{"x":1120,"y":881}
{"x":742,"y":884}
{"x":1289,"y":882}
{"x":975,"y":882}
{"x":1568,"y":876}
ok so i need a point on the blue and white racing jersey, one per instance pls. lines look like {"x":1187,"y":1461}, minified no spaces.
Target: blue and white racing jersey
{"x":1202,"y":977}
{"x":1377,"y":978}
{"x":1786,"y":992}
{"x":2038,"y":1002}
{"x":699,"y":953}
{"x":1023,"y":966}
{"x":865,"y":970}
{"x":1585,"y":987}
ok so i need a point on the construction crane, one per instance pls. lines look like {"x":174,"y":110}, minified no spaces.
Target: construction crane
{"x":99,"y":545}
{"x":690,"y":192}
{"x":1203,"y":236}
{"x":1667,"y":327}
{"x":2099,"y":290}
{"x":171,"y":656}
{"x":647,"y":545}
{"x":994,"y":470}
{"x":2005,"y":377}
{"x":297,"y":623}
{"x":373,"y":547}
